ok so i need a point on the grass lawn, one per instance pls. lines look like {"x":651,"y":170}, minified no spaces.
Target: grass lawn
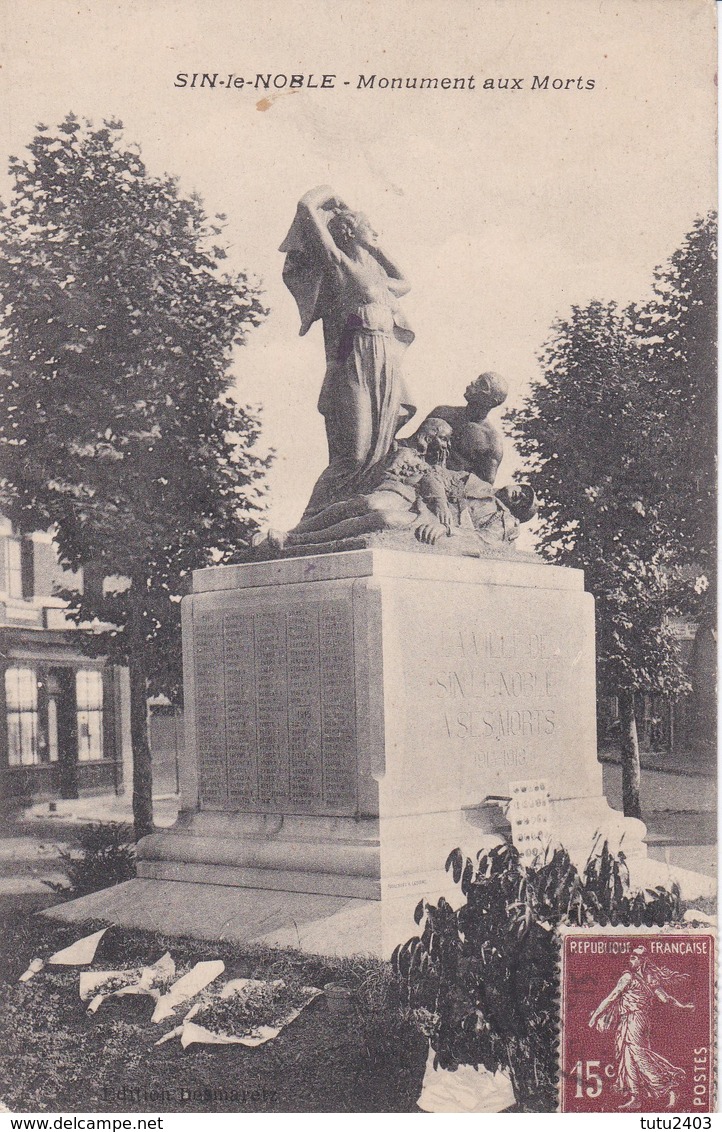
{"x":57,"y":1058}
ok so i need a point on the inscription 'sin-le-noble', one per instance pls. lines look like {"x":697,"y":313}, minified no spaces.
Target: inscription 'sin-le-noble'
{"x":275,"y":709}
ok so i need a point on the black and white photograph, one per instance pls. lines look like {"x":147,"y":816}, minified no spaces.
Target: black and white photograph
{"x":358,"y":637}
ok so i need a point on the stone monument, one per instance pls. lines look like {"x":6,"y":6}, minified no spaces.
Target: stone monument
{"x":354,"y":715}
{"x":368,"y":691}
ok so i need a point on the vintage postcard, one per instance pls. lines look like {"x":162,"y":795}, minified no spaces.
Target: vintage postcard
{"x":357,"y":558}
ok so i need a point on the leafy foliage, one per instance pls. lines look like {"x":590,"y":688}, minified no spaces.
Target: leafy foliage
{"x":619,"y":434}
{"x":115,"y":424}
{"x":117,"y":427}
{"x":677,"y":331}
{"x":249,"y":1008}
{"x":105,"y":855}
{"x":590,"y":431}
{"x":483,"y":979}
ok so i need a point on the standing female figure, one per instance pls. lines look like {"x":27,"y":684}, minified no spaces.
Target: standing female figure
{"x":642,"y":1075}
{"x":337,"y":272}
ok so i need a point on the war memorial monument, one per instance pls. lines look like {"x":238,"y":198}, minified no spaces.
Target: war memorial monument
{"x":369,"y":690}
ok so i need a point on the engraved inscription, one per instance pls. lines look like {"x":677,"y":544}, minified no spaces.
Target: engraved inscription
{"x":473,"y":683}
{"x":337,"y":704}
{"x":501,"y":692}
{"x":482,"y":696}
{"x":517,"y":644}
{"x":304,"y":706}
{"x":210,"y":709}
{"x":495,"y":725}
{"x":240,"y":691}
{"x":272,"y":707}
{"x":275,"y":694}
{"x":508,"y":757}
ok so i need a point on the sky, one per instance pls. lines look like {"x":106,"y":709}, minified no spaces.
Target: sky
{"x":504,"y":206}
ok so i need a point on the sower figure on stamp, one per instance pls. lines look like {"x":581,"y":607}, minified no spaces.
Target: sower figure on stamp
{"x":641,"y":1073}
{"x":337,"y":272}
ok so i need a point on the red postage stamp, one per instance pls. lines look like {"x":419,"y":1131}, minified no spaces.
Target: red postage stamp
{"x":637,"y":1021}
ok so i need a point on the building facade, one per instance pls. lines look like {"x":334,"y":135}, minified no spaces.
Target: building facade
{"x":63,"y":716}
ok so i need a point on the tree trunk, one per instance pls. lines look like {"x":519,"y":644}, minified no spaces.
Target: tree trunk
{"x":142,"y":767}
{"x":631,"y":770}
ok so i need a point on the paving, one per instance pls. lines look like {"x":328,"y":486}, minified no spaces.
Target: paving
{"x":679,"y":808}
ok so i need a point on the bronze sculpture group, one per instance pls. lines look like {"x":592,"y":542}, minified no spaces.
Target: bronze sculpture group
{"x":438,"y":483}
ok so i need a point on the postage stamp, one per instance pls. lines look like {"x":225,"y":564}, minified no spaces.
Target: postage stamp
{"x":637,"y":1021}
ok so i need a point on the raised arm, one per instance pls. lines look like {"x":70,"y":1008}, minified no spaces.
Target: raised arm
{"x":663,"y":996}
{"x":312,"y":204}
{"x":612,"y":997}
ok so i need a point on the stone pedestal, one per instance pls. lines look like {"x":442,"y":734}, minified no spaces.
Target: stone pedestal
{"x":353,"y":717}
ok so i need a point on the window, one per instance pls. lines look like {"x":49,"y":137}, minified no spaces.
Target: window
{"x":27,"y":568}
{"x":21,"y":690}
{"x":14,"y":564}
{"x":89,"y":693}
{"x":20,"y":565}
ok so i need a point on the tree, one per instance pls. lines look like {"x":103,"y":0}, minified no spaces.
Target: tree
{"x":116,"y":422}
{"x":677,"y":331}
{"x":589,"y":432}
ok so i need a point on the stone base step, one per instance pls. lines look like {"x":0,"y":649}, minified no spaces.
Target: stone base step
{"x":314,"y":923}
{"x":272,"y":879}
{"x":322,"y":925}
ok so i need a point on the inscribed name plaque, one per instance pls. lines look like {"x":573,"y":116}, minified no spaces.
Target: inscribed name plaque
{"x":275,"y":708}
{"x":210,"y":710}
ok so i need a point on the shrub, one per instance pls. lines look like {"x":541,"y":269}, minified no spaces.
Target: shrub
{"x":483,"y":980}
{"x":104,"y":855}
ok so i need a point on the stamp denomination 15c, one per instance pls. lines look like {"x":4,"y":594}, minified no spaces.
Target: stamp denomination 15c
{"x":637,"y":1021}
